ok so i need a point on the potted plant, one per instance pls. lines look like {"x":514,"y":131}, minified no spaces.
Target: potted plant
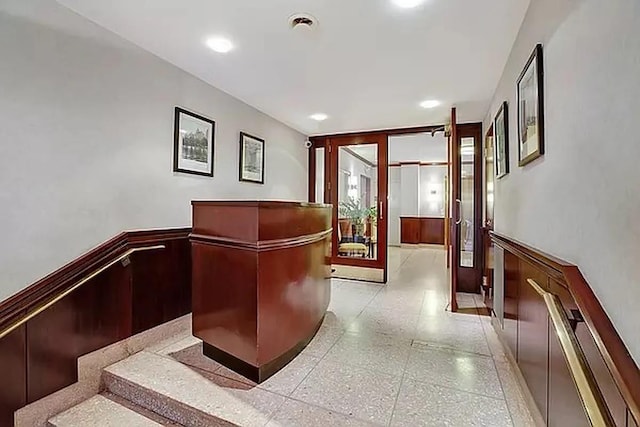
{"x":352,"y":210}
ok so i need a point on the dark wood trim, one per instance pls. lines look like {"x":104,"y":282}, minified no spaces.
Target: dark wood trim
{"x":263,"y":245}
{"x":617,"y":358}
{"x":254,"y":373}
{"x":536,"y":55}
{"x":153,"y":288}
{"x":60,"y":280}
{"x":469,"y":279}
{"x":388,"y":132}
{"x":454,"y":234}
{"x":138,"y":238}
{"x":12,"y":308}
{"x":263,"y":204}
{"x":398,"y":164}
{"x":359,"y":157}
{"x":176,"y":139}
{"x":311,"y":192}
{"x":380,"y":140}
{"x":549,"y":264}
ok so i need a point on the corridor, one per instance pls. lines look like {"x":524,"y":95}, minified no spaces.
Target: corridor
{"x":385,"y":355}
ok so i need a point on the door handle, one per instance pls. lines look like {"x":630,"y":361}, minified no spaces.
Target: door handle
{"x":459,"y":221}
{"x":380,"y":215}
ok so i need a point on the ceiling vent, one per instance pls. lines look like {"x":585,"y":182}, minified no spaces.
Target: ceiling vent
{"x":303,"y":21}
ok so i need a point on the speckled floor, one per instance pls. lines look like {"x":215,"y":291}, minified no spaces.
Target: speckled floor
{"x":385,"y":355}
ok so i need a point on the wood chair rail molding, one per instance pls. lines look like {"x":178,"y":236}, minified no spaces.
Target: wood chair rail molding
{"x":40,"y":356}
{"x":621,"y":365}
{"x":58,"y":281}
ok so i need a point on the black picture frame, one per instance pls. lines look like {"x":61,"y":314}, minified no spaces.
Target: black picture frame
{"x":531,"y":128}
{"x":189,"y":159}
{"x":501,"y":141}
{"x":252,"y":171}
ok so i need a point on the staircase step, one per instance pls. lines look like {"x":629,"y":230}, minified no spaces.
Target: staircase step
{"x":187,"y":395}
{"x":99,"y":411}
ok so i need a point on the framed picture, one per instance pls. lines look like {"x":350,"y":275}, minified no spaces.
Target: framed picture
{"x":251,"y":158}
{"x":501,"y":141}
{"x":193,"y":143}
{"x":531,"y":109}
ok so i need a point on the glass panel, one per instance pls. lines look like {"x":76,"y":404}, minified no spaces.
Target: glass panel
{"x":319,"y":175}
{"x":467,"y":157}
{"x":489,"y":180}
{"x":358,"y":201}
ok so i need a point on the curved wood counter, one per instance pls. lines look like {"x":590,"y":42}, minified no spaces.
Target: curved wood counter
{"x":259,"y":281}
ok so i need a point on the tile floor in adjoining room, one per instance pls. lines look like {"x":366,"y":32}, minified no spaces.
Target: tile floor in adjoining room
{"x":385,"y":355}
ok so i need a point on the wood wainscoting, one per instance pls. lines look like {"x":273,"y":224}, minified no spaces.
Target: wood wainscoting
{"x":40,"y":357}
{"x":416,"y":230}
{"x":531,"y":339}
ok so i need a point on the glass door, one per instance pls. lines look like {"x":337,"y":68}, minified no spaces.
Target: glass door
{"x":467,"y":195}
{"x":359,"y":196}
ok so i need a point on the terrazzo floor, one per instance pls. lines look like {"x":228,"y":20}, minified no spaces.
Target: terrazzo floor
{"x":385,"y":355}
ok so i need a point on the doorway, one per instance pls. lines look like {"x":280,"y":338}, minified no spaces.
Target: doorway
{"x":417,"y":189}
{"x":466,"y":194}
{"x":354,"y":174}
{"x":350,"y":172}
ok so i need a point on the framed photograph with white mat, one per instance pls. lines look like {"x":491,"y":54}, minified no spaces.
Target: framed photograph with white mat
{"x":193,"y":143}
{"x":251,"y":158}
{"x":531,"y":109}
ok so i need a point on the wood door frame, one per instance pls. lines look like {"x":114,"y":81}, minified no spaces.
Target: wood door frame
{"x":334,"y":144}
{"x":326,"y":142}
{"x":469,"y":279}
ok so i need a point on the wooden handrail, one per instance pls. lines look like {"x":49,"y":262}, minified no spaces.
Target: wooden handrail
{"x":33,"y":313}
{"x":592,"y":399}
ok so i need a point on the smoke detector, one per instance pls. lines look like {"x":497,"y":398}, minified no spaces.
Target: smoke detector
{"x":302,"y":21}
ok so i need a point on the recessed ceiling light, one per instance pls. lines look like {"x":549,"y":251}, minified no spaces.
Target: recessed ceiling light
{"x":220,"y":44}
{"x":319,"y":117}
{"x":407,"y":4}
{"x":429,"y":103}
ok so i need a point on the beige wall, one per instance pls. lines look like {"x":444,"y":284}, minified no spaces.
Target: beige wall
{"x":86,"y":141}
{"x":581,"y":201}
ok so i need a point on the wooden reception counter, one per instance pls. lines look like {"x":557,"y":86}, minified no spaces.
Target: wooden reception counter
{"x":259,"y":281}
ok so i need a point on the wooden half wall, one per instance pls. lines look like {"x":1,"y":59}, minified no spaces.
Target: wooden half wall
{"x":416,"y":230}
{"x":530,"y":337}
{"x":40,"y":357}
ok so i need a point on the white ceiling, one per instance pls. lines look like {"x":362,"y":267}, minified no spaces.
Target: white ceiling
{"x":367,"y":65}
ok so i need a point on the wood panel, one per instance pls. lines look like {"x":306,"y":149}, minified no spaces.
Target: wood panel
{"x":410,"y":230}
{"x":432,"y":231}
{"x":616,"y":374}
{"x":161,"y":284}
{"x":603,"y":377}
{"x":285,"y":322}
{"x":533,"y":334}
{"x":511,"y":294}
{"x":256,"y":303}
{"x":565,"y":407}
{"x":225,"y":299}
{"x":13,"y":371}
{"x":93,"y":316}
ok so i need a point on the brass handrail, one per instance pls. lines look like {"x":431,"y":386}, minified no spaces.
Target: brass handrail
{"x":590,"y":394}
{"x":15,"y":325}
